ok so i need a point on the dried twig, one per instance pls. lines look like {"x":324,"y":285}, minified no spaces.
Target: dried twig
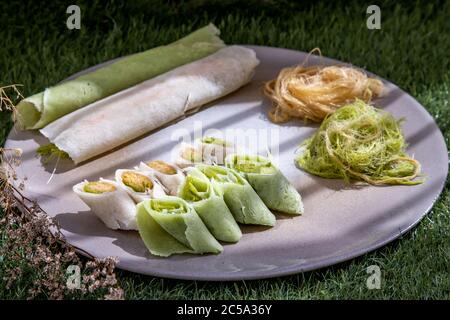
{"x":34,"y":252}
{"x":6,"y":102}
{"x":34,"y":241}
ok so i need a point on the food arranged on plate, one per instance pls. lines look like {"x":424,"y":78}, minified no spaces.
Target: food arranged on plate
{"x":213,"y":187}
{"x":214,"y":199}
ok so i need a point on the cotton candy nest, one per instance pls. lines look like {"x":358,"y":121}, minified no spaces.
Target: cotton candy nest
{"x":312,"y":93}
{"x":359,"y":142}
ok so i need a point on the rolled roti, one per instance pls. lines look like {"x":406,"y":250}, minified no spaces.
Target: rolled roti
{"x":42,"y":108}
{"x":170,"y":175}
{"x":139,"y":185}
{"x":243,"y":202}
{"x":131,"y":113}
{"x":268,"y":181}
{"x":109,"y":202}
{"x":215,"y":150}
{"x":210,"y":206}
{"x":170,"y":225}
{"x":188,"y":155}
{"x":207,"y":150}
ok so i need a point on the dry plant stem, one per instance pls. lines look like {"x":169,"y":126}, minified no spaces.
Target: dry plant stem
{"x":33,"y":248}
{"x":33,"y":240}
{"x":29,"y":206}
{"x":6,"y":103}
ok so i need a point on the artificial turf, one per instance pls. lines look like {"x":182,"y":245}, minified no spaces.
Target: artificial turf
{"x":411,"y":49}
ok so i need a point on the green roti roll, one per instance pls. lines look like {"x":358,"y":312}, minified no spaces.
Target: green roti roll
{"x":268,"y":181}
{"x":210,"y":206}
{"x":40,"y":109}
{"x":156,"y":239}
{"x":241,"y":199}
{"x":169,"y":225}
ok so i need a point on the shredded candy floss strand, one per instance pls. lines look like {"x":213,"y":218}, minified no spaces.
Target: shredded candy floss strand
{"x":360,"y":142}
{"x":312,"y":93}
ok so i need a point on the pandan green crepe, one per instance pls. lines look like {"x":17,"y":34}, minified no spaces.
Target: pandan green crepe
{"x":169,"y":225}
{"x":243,"y":202}
{"x":43,"y":108}
{"x":268,"y":181}
{"x":212,"y":209}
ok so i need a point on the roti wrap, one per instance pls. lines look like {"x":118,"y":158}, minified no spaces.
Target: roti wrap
{"x":115,"y":208}
{"x":269,"y":183}
{"x":241,"y":199}
{"x":170,"y":225}
{"x":210,"y":206}
{"x":171,"y":182}
{"x":54,"y":102}
{"x":154,"y":190}
{"x":128,"y":114}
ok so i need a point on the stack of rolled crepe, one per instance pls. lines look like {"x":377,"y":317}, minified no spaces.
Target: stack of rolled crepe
{"x":108,"y":107}
{"x":114,"y":202}
{"x":210,"y":201}
{"x":245,"y":205}
{"x":210,"y":206}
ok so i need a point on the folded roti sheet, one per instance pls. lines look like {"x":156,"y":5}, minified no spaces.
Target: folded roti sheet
{"x":170,"y":225}
{"x":40,"y":109}
{"x":131,"y":113}
{"x":109,"y":202}
{"x":210,"y":206}
{"x":268,"y":181}
{"x":171,"y":176}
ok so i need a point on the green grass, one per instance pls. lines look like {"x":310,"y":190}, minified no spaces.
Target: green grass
{"x":411,"y":49}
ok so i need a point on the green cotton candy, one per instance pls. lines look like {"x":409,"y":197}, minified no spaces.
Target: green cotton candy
{"x":169,"y":225}
{"x":360,"y":142}
{"x":269,"y":183}
{"x":243,"y":202}
{"x":210,"y":206}
{"x":38,"y":110}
